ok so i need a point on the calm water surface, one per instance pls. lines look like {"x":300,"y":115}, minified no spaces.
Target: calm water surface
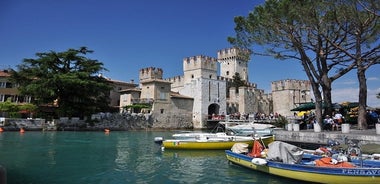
{"x":117,"y":157}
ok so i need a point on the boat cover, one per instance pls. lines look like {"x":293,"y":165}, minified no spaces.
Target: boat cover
{"x":240,"y":148}
{"x":284,"y":152}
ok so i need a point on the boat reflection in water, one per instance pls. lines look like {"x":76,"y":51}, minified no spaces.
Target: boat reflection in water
{"x":192,"y":153}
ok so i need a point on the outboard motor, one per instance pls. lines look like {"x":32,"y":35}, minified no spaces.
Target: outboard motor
{"x":158,"y":140}
{"x":353,"y":147}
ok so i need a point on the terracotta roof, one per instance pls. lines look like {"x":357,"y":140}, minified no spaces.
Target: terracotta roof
{"x":177,"y":95}
{"x":154,"y":80}
{"x":4,"y":73}
{"x":130,"y":90}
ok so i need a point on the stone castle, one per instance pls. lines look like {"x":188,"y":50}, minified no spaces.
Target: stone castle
{"x":193,"y":99}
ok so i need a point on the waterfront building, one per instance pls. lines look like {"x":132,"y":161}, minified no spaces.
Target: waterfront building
{"x":114,"y":94}
{"x":9,"y":90}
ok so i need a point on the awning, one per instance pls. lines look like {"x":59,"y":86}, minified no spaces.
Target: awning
{"x":304,"y":107}
{"x":311,"y":105}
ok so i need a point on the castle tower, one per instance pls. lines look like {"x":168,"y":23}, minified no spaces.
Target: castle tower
{"x":152,"y":85}
{"x":234,"y":60}
{"x":288,"y":94}
{"x":150,"y":73}
{"x":199,"y":67}
{"x":202,"y":84}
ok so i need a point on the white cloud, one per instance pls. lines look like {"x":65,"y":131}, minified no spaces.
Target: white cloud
{"x":349,"y":82}
{"x":352,"y":95}
{"x":373,"y":79}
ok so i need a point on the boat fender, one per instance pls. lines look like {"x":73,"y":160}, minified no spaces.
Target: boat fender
{"x":376,"y":156}
{"x":259,"y":161}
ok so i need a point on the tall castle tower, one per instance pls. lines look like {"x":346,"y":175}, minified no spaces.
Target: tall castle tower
{"x":288,"y":94}
{"x":201,"y":83}
{"x":199,"y":67}
{"x":234,"y":60}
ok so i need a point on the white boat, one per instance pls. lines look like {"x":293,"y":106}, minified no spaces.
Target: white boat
{"x":249,"y":129}
{"x":193,"y":135}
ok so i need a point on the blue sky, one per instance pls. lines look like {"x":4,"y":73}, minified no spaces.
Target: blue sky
{"x":128,"y":35}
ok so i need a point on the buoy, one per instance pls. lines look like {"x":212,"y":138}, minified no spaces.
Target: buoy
{"x":22,"y":130}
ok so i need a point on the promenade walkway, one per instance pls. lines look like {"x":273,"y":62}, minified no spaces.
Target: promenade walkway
{"x":366,"y":137}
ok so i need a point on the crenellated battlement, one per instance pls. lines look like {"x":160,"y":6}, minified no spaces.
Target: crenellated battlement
{"x":290,"y":84}
{"x":248,"y":84}
{"x":234,"y":53}
{"x":176,"y":82}
{"x":151,"y":73}
{"x":200,"y":62}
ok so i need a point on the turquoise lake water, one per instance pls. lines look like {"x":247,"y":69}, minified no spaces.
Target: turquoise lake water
{"x":114,"y":158}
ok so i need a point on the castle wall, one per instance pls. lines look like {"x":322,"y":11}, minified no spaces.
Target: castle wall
{"x":248,"y":100}
{"x":173,"y":114}
{"x":288,"y":94}
{"x":205,"y":93}
{"x":212,"y":94}
{"x":177,"y":83}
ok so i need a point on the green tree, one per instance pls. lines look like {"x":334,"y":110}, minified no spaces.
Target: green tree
{"x":8,"y":108}
{"x":360,"y":20}
{"x":306,"y":31}
{"x":237,"y":81}
{"x":68,"y":78}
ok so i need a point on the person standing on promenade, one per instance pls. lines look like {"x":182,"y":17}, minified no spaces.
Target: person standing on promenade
{"x":338,"y":120}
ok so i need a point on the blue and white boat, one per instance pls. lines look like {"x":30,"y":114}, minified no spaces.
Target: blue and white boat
{"x":286,"y":160}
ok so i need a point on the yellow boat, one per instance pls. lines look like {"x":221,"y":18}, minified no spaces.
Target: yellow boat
{"x":213,"y":143}
{"x":307,"y":170}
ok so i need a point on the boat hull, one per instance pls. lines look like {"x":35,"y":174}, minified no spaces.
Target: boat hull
{"x":309,"y":173}
{"x":209,"y":144}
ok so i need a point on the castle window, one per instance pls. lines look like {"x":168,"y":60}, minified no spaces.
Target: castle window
{"x":210,"y":76}
{"x":162,"y":111}
{"x":192,"y":76}
{"x":228,"y":73}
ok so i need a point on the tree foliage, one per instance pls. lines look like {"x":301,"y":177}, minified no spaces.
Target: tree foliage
{"x":315,"y":33}
{"x":10,"y":109}
{"x":359,"y":20}
{"x":237,"y":81}
{"x":68,"y":78}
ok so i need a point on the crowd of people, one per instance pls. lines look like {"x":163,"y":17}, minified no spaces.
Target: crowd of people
{"x":333,"y":122}
{"x":242,"y":116}
{"x":330,"y":123}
